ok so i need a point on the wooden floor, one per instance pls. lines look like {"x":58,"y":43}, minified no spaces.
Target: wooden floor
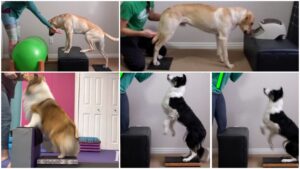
{"x":254,"y":161}
{"x":51,"y":65}
{"x":202,"y":60}
{"x":157,"y":160}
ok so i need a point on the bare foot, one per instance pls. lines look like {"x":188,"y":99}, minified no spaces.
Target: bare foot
{"x":4,"y":154}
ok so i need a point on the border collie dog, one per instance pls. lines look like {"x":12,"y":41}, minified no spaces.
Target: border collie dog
{"x":177,"y":109}
{"x":277,"y":122}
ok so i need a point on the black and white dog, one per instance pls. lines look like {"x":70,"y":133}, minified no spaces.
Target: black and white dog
{"x":277,"y":122}
{"x":176,"y":108}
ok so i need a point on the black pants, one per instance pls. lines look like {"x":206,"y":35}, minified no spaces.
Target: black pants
{"x":132,"y":48}
{"x":124,"y":113}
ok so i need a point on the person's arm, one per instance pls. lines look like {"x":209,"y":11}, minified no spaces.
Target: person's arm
{"x":32,"y":7}
{"x":235,"y":76}
{"x":126,"y":14}
{"x":129,"y":32}
{"x":142,"y":76}
{"x":153,"y":16}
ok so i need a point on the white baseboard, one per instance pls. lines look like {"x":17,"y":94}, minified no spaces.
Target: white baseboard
{"x":257,"y":151}
{"x":89,"y":55}
{"x":202,"y":45}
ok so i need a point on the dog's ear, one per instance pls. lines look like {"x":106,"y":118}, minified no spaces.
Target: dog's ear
{"x":184,"y":78}
{"x":281,"y":90}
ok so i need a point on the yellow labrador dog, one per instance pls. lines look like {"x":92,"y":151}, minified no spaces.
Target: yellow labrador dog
{"x":217,"y":20}
{"x":73,"y":24}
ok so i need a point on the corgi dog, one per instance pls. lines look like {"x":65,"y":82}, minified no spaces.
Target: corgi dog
{"x":43,"y":112}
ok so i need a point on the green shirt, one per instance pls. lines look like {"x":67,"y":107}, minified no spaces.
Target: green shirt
{"x":127,"y":78}
{"x":17,"y":7}
{"x":135,"y":13}
{"x":233,"y":77}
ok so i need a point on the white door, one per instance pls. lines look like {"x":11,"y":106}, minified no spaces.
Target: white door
{"x":98,"y":108}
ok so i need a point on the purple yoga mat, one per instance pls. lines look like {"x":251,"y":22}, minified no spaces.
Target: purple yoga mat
{"x":90,"y":150}
{"x":90,"y":146}
{"x":104,"y":156}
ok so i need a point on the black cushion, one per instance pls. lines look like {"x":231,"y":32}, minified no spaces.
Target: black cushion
{"x":233,"y":147}
{"x":135,"y":147}
{"x":271,"y":55}
{"x":72,"y":61}
{"x":275,"y":55}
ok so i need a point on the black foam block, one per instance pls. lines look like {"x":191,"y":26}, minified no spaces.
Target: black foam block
{"x":101,"y":68}
{"x":177,"y":162}
{"x":72,"y":61}
{"x":165,"y":64}
{"x":275,"y":162}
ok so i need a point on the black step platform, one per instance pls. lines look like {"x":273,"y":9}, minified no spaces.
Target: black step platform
{"x":275,"y":162}
{"x":165,"y":64}
{"x":177,"y":162}
{"x":72,"y":61}
{"x":53,"y":161}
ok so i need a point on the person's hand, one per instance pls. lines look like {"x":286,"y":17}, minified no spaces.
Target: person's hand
{"x":11,"y":75}
{"x":54,"y":30}
{"x":148,"y":33}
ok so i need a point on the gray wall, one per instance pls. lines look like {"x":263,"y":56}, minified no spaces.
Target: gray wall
{"x":273,"y":9}
{"x":104,"y":14}
{"x":145,"y":108}
{"x":246,"y":104}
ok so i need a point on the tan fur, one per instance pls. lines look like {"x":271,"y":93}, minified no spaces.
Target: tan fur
{"x":74,"y":24}
{"x":219,"y":21}
{"x":54,"y":121}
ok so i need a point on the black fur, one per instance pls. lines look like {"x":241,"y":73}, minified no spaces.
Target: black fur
{"x":275,"y":95}
{"x":195,"y":129}
{"x":178,"y":81}
{"x":289,"y":130}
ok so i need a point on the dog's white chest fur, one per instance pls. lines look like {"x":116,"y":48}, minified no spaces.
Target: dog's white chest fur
{"x":39,"y":94}
{"x":172,"y":93}
{"x":271,"y":109}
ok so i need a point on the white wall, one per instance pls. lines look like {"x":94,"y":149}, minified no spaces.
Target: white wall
{"x":104,"y":14}
{"x":261,"y":10}
{"x":145,"y":108}
{"x":246,"y":104}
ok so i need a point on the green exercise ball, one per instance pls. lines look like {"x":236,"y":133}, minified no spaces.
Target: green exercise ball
{"x":28,"y":52}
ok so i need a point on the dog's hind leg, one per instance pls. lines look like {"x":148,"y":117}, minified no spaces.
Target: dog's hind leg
{"x":90,"y":43}
{"x":100,"y":47}
{"x":167,"y":28}
{"x":190,"y":157}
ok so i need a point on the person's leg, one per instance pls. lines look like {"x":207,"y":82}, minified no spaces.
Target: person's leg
{"x":124,"y":113}
{"x":5,"y":120}
{"x":213,"y":106}
{"x":146,"y":43}
{"x":12,"y":28}
{"x":133,"y":55}
{"x":220,"y":113}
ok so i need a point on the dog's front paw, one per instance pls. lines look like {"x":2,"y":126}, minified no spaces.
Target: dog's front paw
{"x":156,"y":63}
{"x":173,"y":133}
{"x":61,"y":156}
{"x":67,"y":51}
{"x":230,"y":66}
{"x":186,"y":159}
{"x":262,"y":130}
{"x":159,"y":56}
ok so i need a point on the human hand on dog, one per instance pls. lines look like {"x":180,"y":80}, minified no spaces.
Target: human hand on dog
{"x":148,"y":33}
{"x":54,"y":30}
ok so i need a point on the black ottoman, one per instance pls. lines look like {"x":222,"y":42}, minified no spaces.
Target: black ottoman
{"x":233,"y":147}
{"x":73,"y":61}
{"x":135,"y":147}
